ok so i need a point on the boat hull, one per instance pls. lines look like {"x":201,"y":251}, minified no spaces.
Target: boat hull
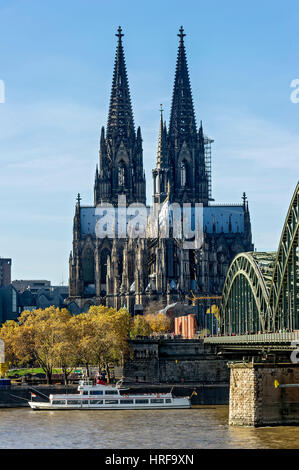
{"x":181,"y":404}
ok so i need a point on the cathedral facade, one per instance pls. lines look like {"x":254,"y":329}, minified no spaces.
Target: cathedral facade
{"x":136,"y":270}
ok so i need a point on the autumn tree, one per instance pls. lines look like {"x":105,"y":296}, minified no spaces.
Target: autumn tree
{"x":140,"y":327}
{"x":38,"y":335}
{"x":121,"y":323}
{"x":109,"y":342}
{"x":7,"y":335}
{"x":159,"y":322}
{"x":65,"y":349}
{"x":82,"y":332}
{"x":51,"y":338}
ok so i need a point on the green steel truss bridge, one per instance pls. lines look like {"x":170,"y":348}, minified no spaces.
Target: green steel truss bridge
{"x":261,"y":290}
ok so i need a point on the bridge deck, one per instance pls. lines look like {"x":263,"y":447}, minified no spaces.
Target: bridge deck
{"x":264,"y":338}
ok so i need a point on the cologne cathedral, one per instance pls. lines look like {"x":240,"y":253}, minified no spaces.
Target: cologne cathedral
{"x":140,"y":271}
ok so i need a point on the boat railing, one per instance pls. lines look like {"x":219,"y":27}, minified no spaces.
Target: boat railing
{"x":85,"y":382}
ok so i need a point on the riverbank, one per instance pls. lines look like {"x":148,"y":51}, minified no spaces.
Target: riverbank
{"x":205,"y":394}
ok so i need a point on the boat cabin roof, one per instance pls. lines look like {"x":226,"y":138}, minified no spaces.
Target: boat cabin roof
{"x":88,"y":385}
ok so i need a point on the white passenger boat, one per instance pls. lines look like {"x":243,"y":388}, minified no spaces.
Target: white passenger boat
{"x":109,"y":397}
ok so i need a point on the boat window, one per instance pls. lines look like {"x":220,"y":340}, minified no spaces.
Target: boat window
{"x":141,"y":401}
{"x":168,"y":400}
{"x":96,"y":402}
{"x":111,"y":392}
{"x":126,"y":402}
{"x":96,"y":392}
{"x":85,"y":393}
{"x":73,"y":402}
{"x":84,"y":402}
{"x":111,"y":402}
{"x":157,"y":400}
{"x":58,"y":402}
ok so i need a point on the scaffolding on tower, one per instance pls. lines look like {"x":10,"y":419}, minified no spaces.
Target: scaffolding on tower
{"x":208,"y":163}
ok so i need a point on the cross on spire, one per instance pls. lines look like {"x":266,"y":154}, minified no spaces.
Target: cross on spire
{"x":181,"y":35}
{"x":119,"y":33}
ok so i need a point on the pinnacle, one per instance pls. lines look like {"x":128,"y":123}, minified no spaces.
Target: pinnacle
{"x":120,"y":119}
{"x":182,"y":119}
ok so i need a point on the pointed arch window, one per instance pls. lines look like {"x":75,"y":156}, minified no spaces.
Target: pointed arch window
{"x":104,"y":262}
{"x":161,"y":185}
{"x":121,"y":175}
{"x":88,"y":266}
{"x":183,"y":175}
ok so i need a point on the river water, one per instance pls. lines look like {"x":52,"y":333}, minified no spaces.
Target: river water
{"x":201,"y":427}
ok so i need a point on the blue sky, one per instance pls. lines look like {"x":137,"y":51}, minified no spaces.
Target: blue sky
{"x":56,"y":62}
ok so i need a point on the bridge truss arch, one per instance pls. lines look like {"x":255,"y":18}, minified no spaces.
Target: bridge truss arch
{"x":284,"y":289}
{"x":245,"y":298}
{"x":261,"y":290}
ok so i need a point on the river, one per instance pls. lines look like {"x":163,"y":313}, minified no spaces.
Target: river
{"x":201,"y":427}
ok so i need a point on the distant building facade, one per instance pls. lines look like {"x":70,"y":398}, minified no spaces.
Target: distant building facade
{"x":5,"y":272}
{"x":30,"y":295}
{"x":9,"y":304}
{"x":143,"y":270}
{"x":33,"y":285}
{"x":34,"y":294}
{"x":43,"y":298}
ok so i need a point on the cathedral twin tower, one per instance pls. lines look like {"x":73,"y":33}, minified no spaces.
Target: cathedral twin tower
{"x":180,"y":168}
{"x":128,"y":272}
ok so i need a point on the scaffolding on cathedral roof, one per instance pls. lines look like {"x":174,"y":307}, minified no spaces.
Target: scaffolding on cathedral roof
{"x":208,"y":163}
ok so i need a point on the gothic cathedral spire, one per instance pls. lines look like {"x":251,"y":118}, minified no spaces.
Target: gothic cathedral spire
{"x":188,"y":178}
{"x":182,"y":117}
{"x":120,"y":119}
{"x":160,"y":173}
{"x":121,"y":157}
{"x":161,"y":154}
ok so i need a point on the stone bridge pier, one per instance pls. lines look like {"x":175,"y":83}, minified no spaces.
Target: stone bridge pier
{"x":255,"y":401}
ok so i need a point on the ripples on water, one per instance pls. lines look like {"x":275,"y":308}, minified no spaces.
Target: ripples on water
{"x":201,"y":427}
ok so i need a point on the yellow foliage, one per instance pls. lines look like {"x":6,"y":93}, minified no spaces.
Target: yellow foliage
{"x":215,"y":311}
{"x":102,"y":335}
{"x":159,"y":322}
{"x":51,"y":337}
{"x":140,"y":327}
{"x":7,"y":333}
{"x":3,"y":369}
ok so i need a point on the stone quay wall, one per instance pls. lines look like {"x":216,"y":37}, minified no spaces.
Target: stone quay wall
{"x":217,"y":394}
{"x":174,"y":361}
{"x":18,"y":396}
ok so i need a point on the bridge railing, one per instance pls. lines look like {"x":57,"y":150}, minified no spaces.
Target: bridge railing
{"x":286,"y":337}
